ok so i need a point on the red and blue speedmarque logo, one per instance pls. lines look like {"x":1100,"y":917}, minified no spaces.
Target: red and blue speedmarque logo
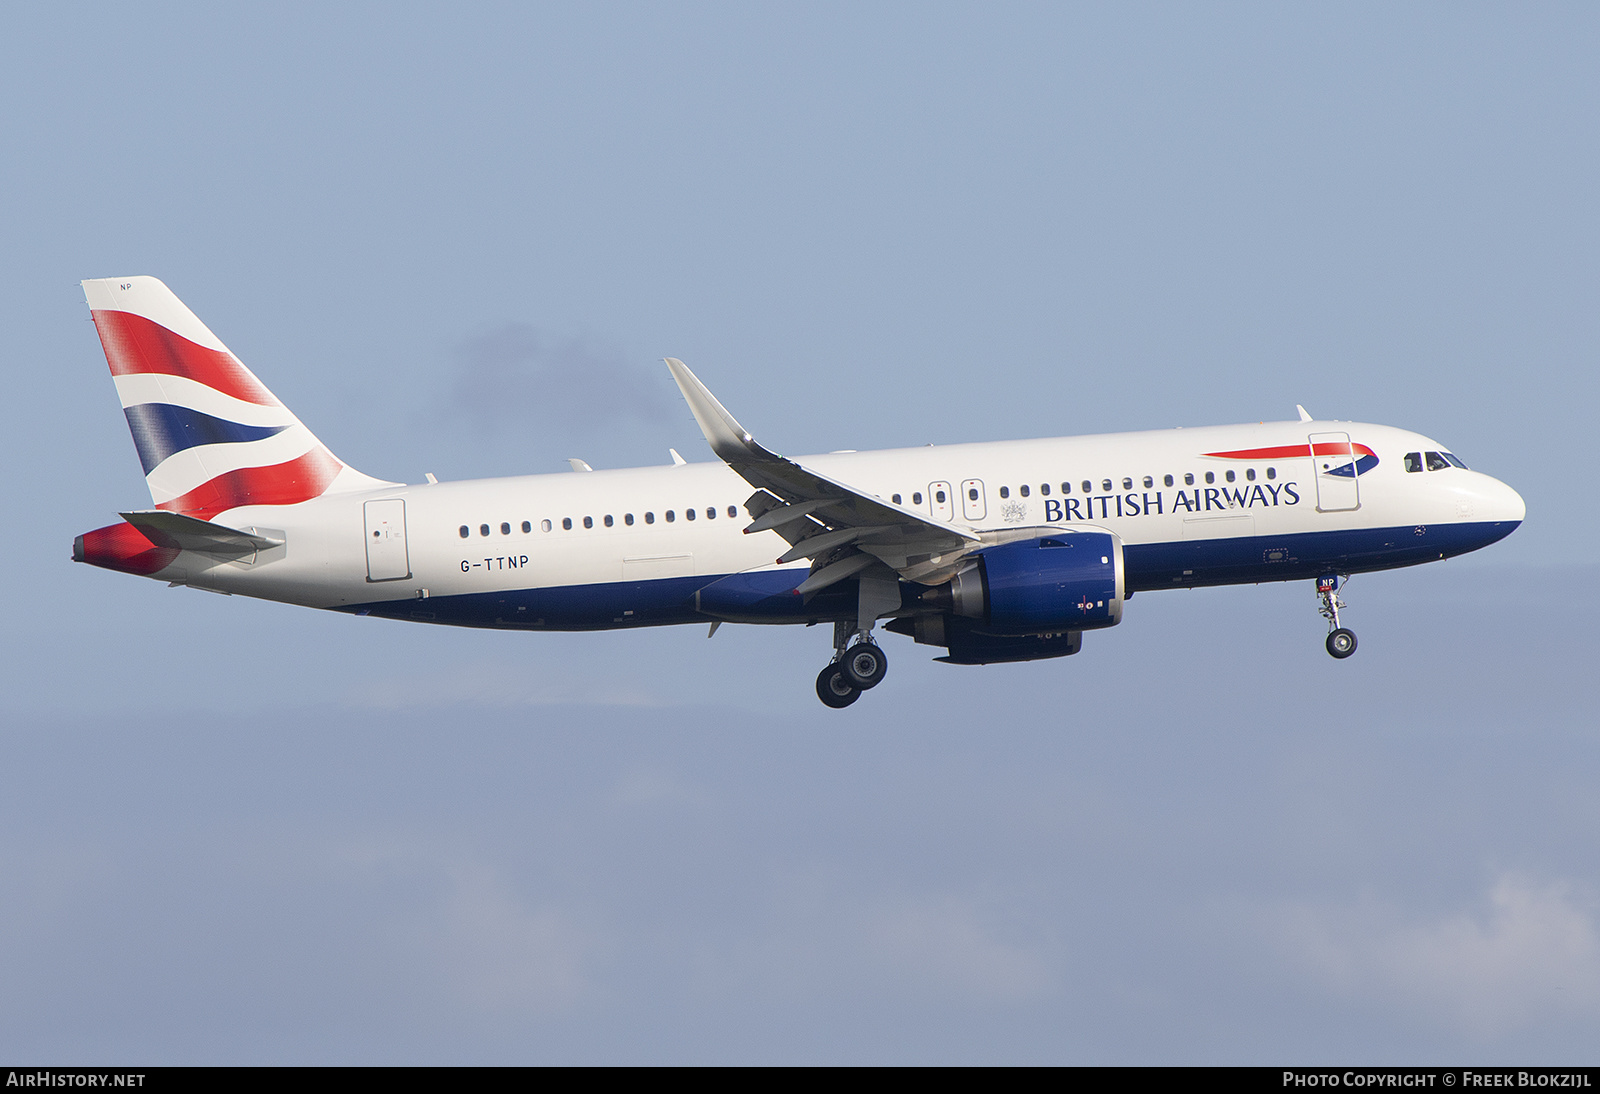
{"x":1364,"y":459}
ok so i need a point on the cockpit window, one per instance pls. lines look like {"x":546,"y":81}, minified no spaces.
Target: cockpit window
{"x":1413,"y":461}
{"x":1453,"y":461}
{"x":1436,"y":462}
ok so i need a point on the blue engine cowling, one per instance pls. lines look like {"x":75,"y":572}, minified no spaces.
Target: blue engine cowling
{"x":1068,"y":582}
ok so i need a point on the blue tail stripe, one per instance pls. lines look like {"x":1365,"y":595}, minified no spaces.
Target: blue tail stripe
{"x":160,"y":429}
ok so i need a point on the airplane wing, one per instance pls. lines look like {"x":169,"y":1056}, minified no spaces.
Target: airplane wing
{"x":840,"y":528}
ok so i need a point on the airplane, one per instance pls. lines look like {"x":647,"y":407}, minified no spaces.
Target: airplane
{"x":993,"y":552}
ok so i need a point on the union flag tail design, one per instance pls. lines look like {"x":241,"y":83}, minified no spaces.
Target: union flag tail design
{"x":210,"y":435}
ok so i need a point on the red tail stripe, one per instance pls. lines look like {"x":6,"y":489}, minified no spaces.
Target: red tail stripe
{"x":124,"y":548}
{"x":134,"y":344}
{"x":1293,"y":451}
{"x":289,"y":483}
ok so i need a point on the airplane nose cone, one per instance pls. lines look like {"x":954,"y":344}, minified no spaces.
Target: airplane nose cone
{"x":1508,"y":502}
{"x":1498,"y":502}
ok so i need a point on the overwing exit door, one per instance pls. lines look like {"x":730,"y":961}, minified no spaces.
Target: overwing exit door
{"x":1333,"y":462}
{"x":943,"y":504}
{"x":387,"y":557}
{"x":973,"y":505}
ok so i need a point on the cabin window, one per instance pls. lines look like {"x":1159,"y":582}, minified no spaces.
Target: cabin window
{"x":1188,"y":478}
{"x":939,"y":496}
{"x":544,"y":525}
{"x":465,"y":531}
{"x":1210,"y":477}
{"x":483,"y":529}
{"x":1005,"y":492}
{"x":527,"y":526}
{"x":588,"y":522}
{"x":649,"y":518}
{"x":733,"y":510}
{"x":1066,"y":488}
{"x":1436,"y":462}
{"x":1127,"y":483}
{"x":1088,"y":487}
{"x":1023,"y":490}
{"x":1167,"y":480}
{"x":566,"y":524}
{"x":671,"y":516}
{"x":711,"y":514}
{"x":1044,"y":490}
{"x":505,"y":528}
{"x":688,"y":514}
{"x":895,"y":498}
{"x":627,"y":518}
{"x":1149,"y":481}
{"x":1272,"y":472}
{"x":1250,"y":474}
{"x":1228,"y":475}
{"x":916,"y":498}
{"x":609,"y":521}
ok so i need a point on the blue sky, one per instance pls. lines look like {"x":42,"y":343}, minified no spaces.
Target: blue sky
{"x":461,"y":243}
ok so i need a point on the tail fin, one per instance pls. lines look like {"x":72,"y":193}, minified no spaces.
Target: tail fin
{"x":210,"y":435}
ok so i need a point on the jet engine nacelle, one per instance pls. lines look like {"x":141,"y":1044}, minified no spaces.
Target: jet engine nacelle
{"x":1072,"y":581}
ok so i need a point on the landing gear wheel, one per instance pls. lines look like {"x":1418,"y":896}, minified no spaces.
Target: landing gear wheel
{"x":1342,"y":643}
{"x":834,"y":688}
{"x":864,"y":665}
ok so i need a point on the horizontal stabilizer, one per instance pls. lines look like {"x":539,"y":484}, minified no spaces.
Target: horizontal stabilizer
{"x":166,"y":529}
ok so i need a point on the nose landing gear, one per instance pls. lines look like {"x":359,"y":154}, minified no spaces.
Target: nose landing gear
{"x":1341,"y":640}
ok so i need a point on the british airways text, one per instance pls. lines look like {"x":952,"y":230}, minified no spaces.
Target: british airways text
{"x":1198,"y":500}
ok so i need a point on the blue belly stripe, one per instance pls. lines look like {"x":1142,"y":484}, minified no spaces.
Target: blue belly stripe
{"x":765,"y":596}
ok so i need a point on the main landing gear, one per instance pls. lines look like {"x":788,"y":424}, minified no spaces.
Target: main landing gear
{"x":1341,"y":640}
{"x":858,"y":663}
{"x":854,"y":668}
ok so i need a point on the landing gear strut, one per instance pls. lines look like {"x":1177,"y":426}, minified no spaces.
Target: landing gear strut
{"x":858,"y":663}
{"x":1341,"y":640}
{"x":854,"y":668}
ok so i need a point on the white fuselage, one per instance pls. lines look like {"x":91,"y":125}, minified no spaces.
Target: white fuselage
{"x":564,"y":535}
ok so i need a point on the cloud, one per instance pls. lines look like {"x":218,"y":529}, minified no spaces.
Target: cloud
{"x":945,"y":945}
{"x":497,"y":954}
{"x":831,"y":938}
{"x":517,"y":376}
{"x":500,"y":685}
{"x":1523,"y":953}
{"x":644,"y":790}
{"x":466,"y":928}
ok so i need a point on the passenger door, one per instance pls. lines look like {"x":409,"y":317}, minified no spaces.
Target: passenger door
{"x":1333,"y":462}
{"x":387,"y":556}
